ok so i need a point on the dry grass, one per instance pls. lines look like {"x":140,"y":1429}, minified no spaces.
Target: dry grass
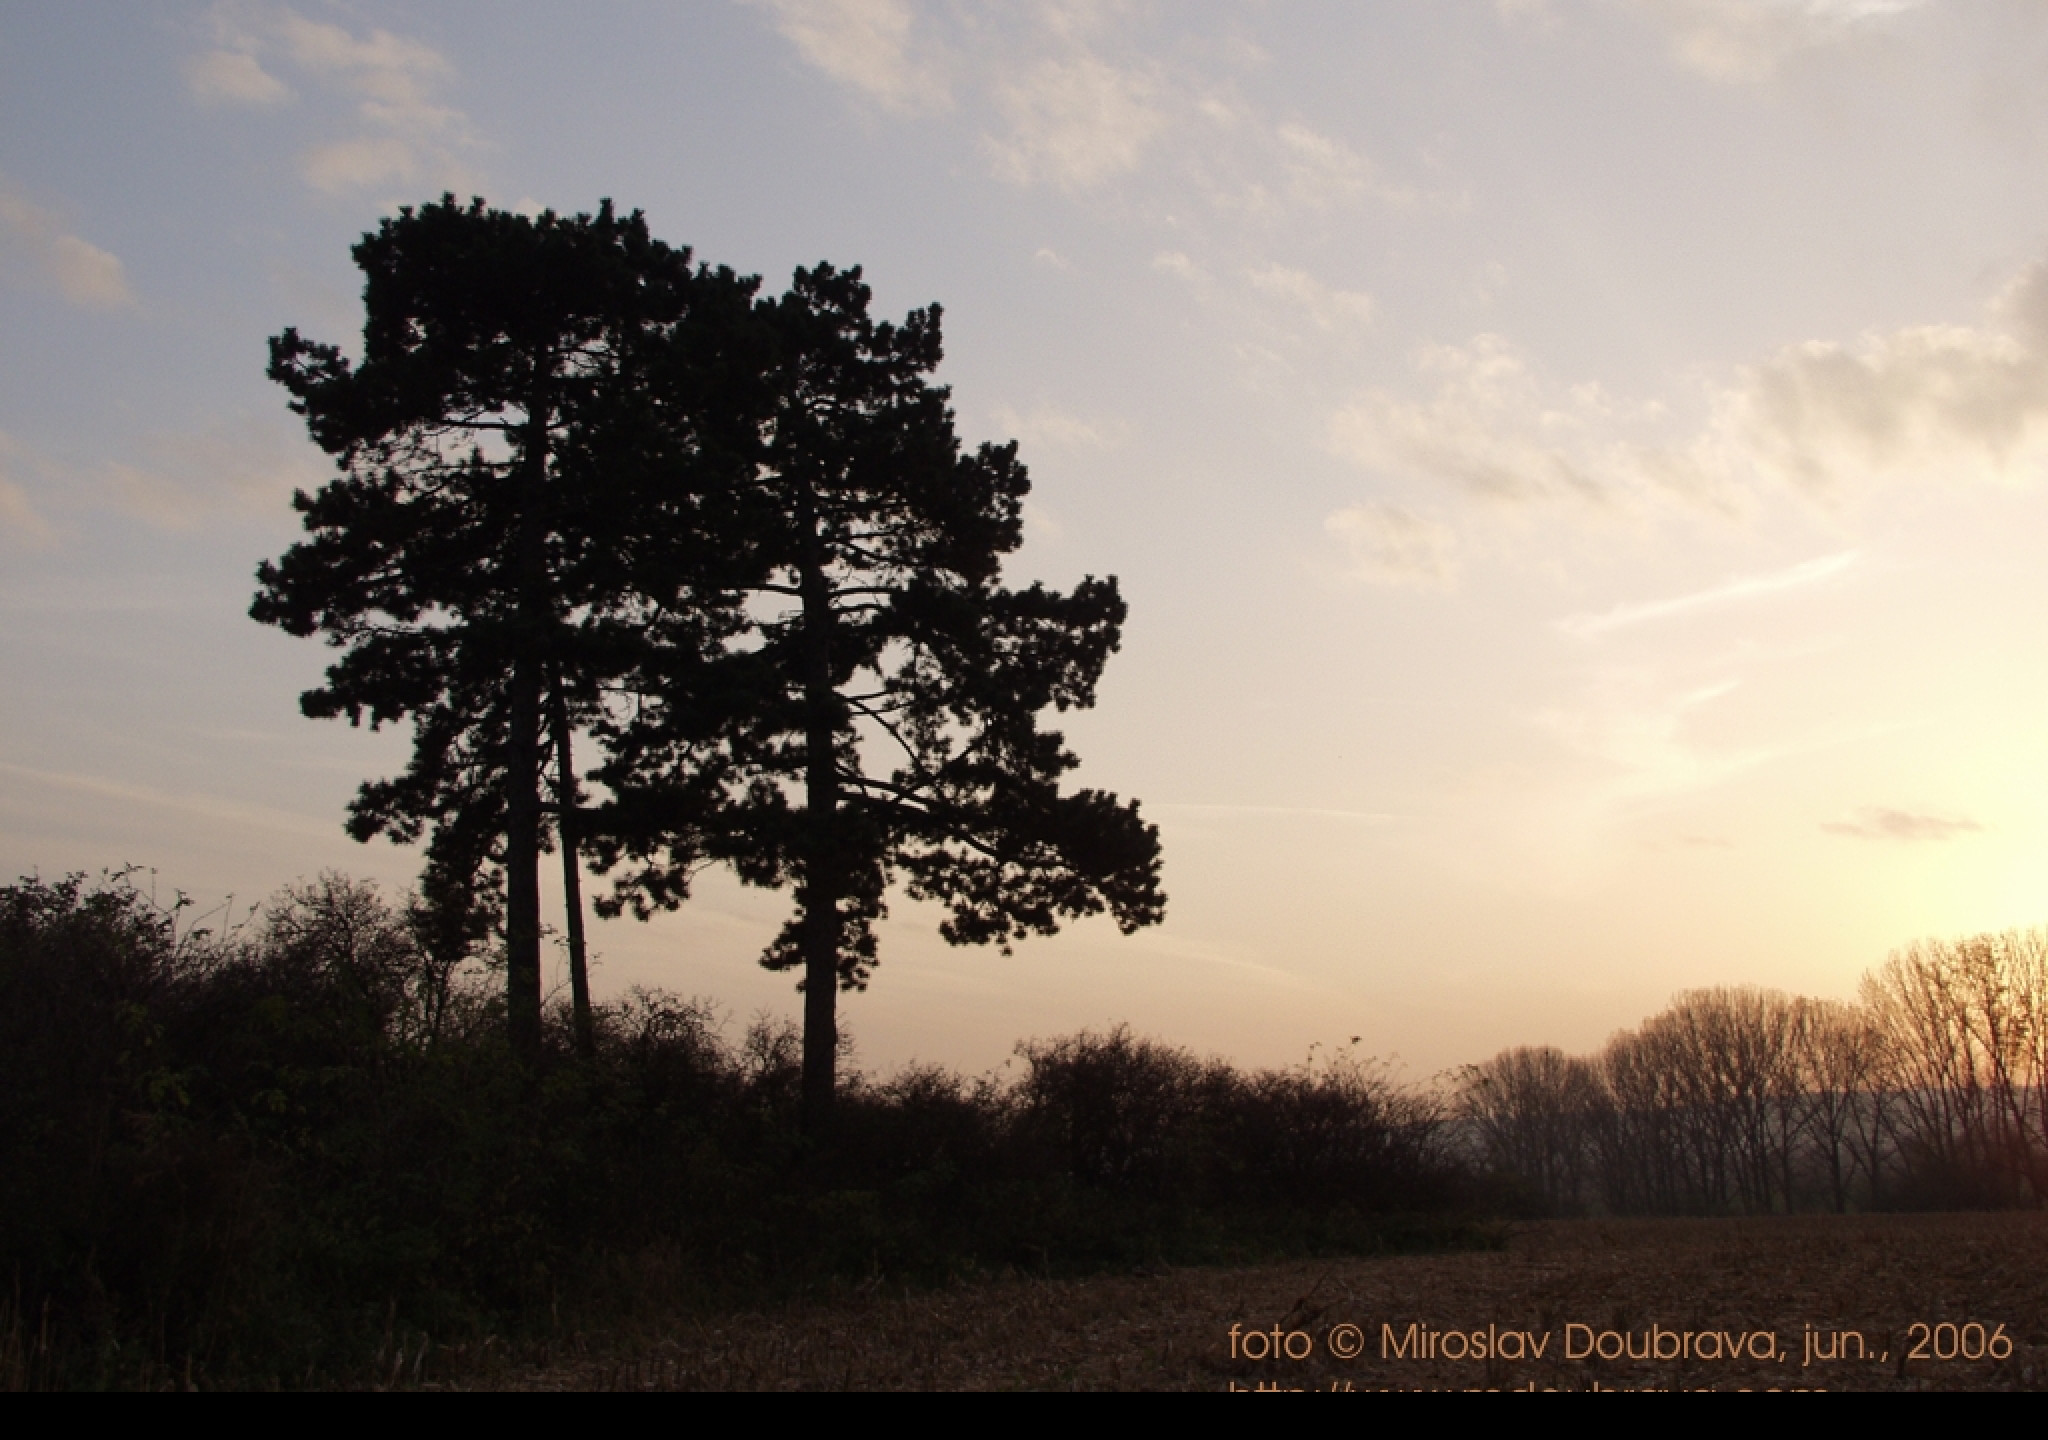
{"x":1876,"y":1275}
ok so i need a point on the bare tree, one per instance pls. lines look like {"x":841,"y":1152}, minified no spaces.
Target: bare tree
{"x":1531,"y":1112}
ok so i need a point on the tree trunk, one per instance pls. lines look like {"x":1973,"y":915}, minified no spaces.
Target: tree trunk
{"x":567,"y":827}
{"x":821,"y":877}
{"x":821,"y":1012}
{"x":523,"y":745}
{"x":522,"y":863}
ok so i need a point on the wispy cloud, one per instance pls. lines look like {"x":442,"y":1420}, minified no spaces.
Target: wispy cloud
{"x":1880,"y":824}
{"x":233,"y":77}
{"x":1282,"y":811}
{"x":33,"y":240}
{"x":1746,"y":41}
{"x":1050,"y":427}
{"x":1181,"y":266}
{"x":1732,"y":592}
{"x":1938,"y":400}
{"x":1290,"y":323}
{"x":1495,"y":430}
{"x":1075,"y":94}
{"x":1539,"y":12}
{"x":1328,"y":308}
{"x":1636,"y":723}
{"x":22,"y":526}
{"x":1075,"y":122}
{"x":1322,"y":170}
{"x":1734,"y":42}
{"x":1388,"y":545}
{"x":1255,"y":166}
{"x":873,"y":46}
{"x":251,"y":464}
{"x":1181,"y":949}
{"x":196,"y":805}
{"x":403,"y":132}
{"x":1821,"y":419}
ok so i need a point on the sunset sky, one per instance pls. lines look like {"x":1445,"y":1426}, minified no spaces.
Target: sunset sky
{"x":1576,"y":467}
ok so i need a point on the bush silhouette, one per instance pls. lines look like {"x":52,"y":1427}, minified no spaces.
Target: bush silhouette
{"x":261,"y":1155}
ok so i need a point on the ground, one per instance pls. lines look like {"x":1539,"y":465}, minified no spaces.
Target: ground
{"x":1940,"y":1302}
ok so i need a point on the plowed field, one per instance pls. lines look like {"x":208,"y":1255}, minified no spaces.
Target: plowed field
{"x":1940,"y":1302}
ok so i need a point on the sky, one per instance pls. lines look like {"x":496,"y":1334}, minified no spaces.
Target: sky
{"x":1576,"y":467}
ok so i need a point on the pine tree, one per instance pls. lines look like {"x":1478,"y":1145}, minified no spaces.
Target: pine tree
{"x":474,"y":559}
{"x":870,"y":548}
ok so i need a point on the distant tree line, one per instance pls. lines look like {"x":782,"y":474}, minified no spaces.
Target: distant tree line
{"x":1930,"y":1092}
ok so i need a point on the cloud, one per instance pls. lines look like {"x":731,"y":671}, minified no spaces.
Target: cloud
{"x":1067,"y":93}
{"x":1269,"y":304}
{"x":233,"y":77}
{"x":1733,"y":592}
{"x":403,"y":133}
{"x":250,"y":465}
{"x":34,"y":239}
{"x":1075,"y":122}
{"x":1388,"y":545}
{"x":192,"y":803}
{"x":865,"y":44}
{"x":1328,"y":308}
{"x":1876,"y":824}
{"x":1823,"y":419}
{"x":369,"y":160}
{"x":179,"y":481}
{"x":149,"y":496}
{"x":1745,"y":41}
{"x":1180,"y":266}
{"x":1539,"y":12}
{"x":1489,"y":282}
{"x":1459,"y":434}
{"x":2024,"y":306}
{"x":1322,"y":170}
{"x":1052,"y":428}
{"x":1635,"y":724}
{"x":1371,"y":817}
{"x":1261,"y":169}
{"x":1931,"y":401}
{"x":389,"y":68}
{"x":1494,"y":430}
{"x":22,"y":526}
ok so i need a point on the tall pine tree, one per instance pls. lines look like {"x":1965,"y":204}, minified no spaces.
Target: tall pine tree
{"x":881,"y":709}
{"x":475,"y":558}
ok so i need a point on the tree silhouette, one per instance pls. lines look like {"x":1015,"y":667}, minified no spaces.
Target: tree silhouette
{"x":493,"y":507}
{"x":877,"y":627}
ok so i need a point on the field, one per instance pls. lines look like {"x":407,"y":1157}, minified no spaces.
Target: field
{"x":1793,"y":1299}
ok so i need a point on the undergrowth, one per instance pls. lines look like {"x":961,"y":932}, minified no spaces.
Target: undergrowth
{"x":297,"y":1151}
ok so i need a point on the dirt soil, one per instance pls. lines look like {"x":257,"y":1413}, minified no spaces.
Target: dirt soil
{"x":1892,"y":1302}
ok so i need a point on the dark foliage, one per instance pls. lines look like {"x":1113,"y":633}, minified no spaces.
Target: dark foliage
{"x":883,"y":701}
{"x":292,"y":1152}
{"x":586,"y":488}
{"x":506,"y":477}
